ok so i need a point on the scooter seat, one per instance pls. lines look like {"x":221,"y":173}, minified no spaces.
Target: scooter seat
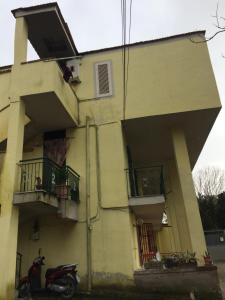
{"x":50,"y":271}
{"x":66,"y":266}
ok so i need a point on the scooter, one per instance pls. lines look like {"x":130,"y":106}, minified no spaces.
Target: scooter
{"x":61,"y":280}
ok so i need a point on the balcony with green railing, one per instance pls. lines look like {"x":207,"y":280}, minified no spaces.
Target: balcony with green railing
{"x":45,"y":187}
{"x":146,"y":193}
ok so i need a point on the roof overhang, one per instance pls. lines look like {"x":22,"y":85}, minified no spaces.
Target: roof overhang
{"x":48,"y":32}
{"x":150,"y":138}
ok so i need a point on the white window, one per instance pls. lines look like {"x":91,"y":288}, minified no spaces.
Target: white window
{"x":103,"y":76}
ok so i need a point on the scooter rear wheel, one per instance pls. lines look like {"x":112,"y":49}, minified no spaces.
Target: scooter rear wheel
{"x":71,"y":288}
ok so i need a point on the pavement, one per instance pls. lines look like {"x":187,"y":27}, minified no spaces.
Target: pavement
{"x":118,"y":297}
{"x":221,"y":275}
{"x":140,"y":297}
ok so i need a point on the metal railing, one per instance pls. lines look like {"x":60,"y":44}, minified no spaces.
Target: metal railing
{"x":42,"y":174}
{"x":146,"y":181}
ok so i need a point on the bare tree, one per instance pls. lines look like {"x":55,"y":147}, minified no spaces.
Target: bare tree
{"x":209,"y":181}
{"x":220,"y":26}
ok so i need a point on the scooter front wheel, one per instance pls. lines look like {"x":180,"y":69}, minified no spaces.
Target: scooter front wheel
{"x":24,"y":290}
{"x":70,"y":287}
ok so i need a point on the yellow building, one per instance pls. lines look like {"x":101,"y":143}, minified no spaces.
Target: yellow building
{"x":134,"y":154}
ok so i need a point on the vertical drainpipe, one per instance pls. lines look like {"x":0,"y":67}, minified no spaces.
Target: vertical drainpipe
{"x":88,"y":218}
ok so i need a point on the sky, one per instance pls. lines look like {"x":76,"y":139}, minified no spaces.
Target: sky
{"x":96,"y":24}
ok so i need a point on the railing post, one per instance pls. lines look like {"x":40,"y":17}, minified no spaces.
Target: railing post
{"x":162,"y":186}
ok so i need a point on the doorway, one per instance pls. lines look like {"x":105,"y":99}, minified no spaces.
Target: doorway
{"x":146,"y":242}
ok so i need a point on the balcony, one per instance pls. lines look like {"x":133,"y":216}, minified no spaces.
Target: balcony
{"x":146,"y":194}
{"x":47,"y":188}
{"x":45,"y":94}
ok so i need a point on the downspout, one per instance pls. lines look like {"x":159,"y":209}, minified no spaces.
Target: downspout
{"x":98,"y":176}
{"x":88,"y":217}
{"x":98,"y":168}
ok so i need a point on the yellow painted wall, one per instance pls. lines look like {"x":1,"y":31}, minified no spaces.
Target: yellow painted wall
{"x":33,"y":148}
{"x":46,"y":76}
{"x":2,"y":157}
{"x":111,"y":230}
{"x":60,"y":243}
{"x":4,"y":90}
{"x":4,"y":102}
{"x":112,"y":236}
{"x":164,"y":77}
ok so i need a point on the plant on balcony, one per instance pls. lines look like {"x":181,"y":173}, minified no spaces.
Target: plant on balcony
{"x":180,"y":260}
{"x":188,"y":259}
{"x":61,"y":183}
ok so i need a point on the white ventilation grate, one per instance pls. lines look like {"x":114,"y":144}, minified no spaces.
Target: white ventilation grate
{"x":103,"y":79}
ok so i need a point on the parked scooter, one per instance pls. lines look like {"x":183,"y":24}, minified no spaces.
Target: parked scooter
{"x":61,"y":280}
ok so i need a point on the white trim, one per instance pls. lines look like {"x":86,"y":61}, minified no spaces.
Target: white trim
{"x":109,"y":69}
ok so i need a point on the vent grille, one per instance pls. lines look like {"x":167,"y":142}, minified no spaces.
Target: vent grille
{"x":103,"y":79}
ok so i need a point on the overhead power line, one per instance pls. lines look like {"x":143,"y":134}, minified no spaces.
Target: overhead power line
{"x":125,"y":60}
{"x":128,"y":48}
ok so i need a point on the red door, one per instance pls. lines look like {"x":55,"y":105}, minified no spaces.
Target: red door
{"x":146,"y":241}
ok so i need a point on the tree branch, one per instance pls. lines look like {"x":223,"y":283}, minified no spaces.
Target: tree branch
{"x":217,"y":25}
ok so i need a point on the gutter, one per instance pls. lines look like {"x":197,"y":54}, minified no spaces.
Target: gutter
{"x":88,"y":217}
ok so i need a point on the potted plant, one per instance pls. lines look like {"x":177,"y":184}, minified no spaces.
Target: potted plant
{"x":61,"y":186}
{"x":170,"y":261}
{"x":180,"y":260}
{"x":207,"y":259}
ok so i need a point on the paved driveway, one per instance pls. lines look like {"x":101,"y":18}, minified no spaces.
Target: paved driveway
{"x":221,"y":274}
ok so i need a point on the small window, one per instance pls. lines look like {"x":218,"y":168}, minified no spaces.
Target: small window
{"x":103,"y":77}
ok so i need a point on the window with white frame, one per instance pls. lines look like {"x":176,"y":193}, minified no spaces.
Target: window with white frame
{"x":103,"y":79}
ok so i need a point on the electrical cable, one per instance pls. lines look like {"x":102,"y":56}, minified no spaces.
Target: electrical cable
{"x":123,"y":13}
{"x":128,"y":48}
{"x":125,"y":61}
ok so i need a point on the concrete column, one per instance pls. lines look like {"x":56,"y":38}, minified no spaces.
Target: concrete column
{"x":9,"y":175}
{"x":20,"y":41}
{"x":9,"y":213}
{"x":174,"y":238}
{"x":188,"y":199}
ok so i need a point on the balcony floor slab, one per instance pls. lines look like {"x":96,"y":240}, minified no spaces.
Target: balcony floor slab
{"x":149,"y":208}
{"x":36,"y":203}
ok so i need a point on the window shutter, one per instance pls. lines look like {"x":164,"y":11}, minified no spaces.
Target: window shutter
{"x":103,"y":79}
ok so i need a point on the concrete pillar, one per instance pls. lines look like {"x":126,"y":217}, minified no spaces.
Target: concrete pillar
{"x":20,"y":41}
{"x":174,"y":238}
{"x":179,"y":225}
{"x":189,"y":200}
{"x":9,"y":175}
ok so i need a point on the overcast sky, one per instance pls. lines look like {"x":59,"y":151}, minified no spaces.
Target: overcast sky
{"x":97,"y":23}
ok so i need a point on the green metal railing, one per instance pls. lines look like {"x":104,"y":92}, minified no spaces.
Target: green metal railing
{"x":146,"y":181}
{"x":44,"y":174}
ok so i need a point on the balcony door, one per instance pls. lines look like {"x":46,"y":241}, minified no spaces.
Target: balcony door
{"x":55,"y":148}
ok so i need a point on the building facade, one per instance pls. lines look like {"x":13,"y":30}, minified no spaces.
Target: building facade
{"x":86,"y":173}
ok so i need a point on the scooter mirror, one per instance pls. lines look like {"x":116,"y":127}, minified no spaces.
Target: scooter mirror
{"x":42,"y":260}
